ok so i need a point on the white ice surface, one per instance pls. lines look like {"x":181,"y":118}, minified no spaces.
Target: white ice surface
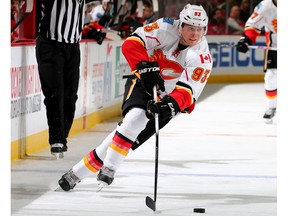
{"x":222,"y":157}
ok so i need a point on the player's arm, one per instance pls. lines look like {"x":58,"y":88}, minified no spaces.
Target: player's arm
{"x":147,"y":71}
{"x":256,"y":22}
{"x":134,"y":50}
{"x":136,"y":45}
{"x":192,"y":80}
{"x":252,"y":29}
{"x":187,"y":89}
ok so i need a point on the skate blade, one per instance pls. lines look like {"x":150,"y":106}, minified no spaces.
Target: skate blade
{"x":269,"y":121}
{"x":58,"y":155}
{"x":58,"y":189}
{"x":101,"y":185}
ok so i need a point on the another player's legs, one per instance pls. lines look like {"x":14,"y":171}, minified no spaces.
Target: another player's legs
{"x":270,"y":93}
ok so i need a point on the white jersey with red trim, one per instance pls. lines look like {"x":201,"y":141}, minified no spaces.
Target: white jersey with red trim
{"x":188,"y":67}
{"x":265,"y":15}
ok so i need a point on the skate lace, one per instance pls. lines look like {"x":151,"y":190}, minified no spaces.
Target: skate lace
{"x":108,"y":172}
{"x":270,"y":111}
{"x":72,"y":178}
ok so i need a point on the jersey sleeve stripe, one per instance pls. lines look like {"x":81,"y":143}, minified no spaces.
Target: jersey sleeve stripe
{"x":133,"y":38}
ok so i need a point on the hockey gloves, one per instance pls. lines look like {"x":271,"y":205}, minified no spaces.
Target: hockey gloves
{"x":150,"y":76}
{"x":167,"y":108}
{"x":243,"y":43}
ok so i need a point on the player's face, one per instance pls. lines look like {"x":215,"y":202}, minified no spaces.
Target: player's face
{"x":191,"y":34}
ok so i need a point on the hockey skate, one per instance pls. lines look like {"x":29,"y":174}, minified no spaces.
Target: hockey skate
{"x":269,"y":114}
{"x":105,"y":177}
{"x":68,"y":181}
{"x":57,"y":150}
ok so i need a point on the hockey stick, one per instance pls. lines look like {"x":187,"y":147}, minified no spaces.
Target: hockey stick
{"x":116,"y":13}
{"x":112,"y":34}
{"x":29,"y":7}
{"x":250,"y":46}
{"x":149,"y":201}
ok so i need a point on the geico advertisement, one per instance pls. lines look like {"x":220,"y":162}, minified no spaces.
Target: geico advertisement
{"x":227,"y":60}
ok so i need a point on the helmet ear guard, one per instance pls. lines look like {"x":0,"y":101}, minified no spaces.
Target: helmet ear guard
{"x":194,"y":15}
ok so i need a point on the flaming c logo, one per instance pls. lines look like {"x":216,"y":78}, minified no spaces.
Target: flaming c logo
{"x":166,"y":64}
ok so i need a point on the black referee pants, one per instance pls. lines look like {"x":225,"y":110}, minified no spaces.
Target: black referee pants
{"x":58,"y":65}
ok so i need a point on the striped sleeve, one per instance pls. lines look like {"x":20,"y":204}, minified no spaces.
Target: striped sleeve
{"x":62,"y":20}
{"x":134,"y":51}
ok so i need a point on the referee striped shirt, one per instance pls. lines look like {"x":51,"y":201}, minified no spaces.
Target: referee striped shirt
{"x":62,"y":20}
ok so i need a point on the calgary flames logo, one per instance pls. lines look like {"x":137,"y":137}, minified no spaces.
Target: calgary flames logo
{"x":166,"y":64}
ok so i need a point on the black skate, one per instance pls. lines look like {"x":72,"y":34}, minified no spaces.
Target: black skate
{"x":68,"y":181}
{"x":105,"y":177}
{"x":57,"y":150}
{"x":269,"y":114}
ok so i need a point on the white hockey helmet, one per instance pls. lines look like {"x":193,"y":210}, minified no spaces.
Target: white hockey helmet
{"x":194,"y":15}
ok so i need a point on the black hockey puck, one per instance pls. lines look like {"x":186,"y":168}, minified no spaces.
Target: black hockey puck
{"x":199,"y":210}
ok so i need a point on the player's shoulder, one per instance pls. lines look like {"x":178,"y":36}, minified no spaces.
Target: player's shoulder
{"x":167,"y":23}
{"x":168,"y":20}
{"x":265,"y":6}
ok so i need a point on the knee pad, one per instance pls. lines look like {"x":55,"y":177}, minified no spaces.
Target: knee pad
{"x":271,"y":79}
{"x":133,"y":123}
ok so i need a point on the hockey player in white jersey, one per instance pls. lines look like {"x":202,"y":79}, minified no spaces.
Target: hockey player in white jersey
{"x":264,"y":15}
{"x":174,"y":56}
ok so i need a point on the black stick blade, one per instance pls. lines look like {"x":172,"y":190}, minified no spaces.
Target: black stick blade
{"x":150,"y":203}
